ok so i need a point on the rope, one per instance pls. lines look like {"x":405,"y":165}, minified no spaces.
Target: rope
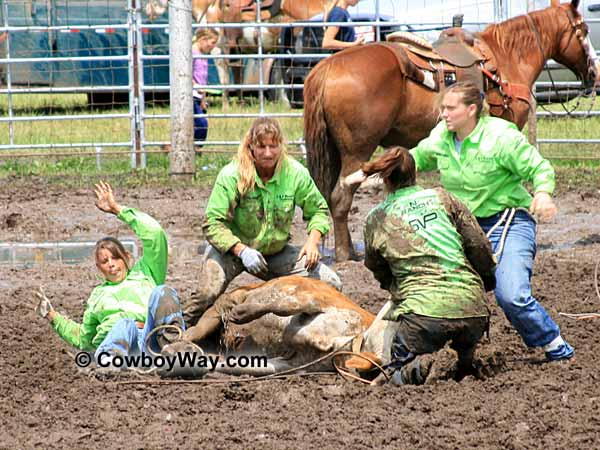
{"x":162,"y":327}
{"x":510,"y":212}
{"x":344,"y":373}
{"x":228,"y":381}
{"x":585,"y":316}
{"x":283,"y":374}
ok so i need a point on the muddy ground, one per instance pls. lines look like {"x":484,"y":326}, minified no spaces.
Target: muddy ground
{"x":46,"y":402}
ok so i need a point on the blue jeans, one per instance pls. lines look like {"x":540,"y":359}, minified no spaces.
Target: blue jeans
{"x":200,"y":123}
{"x":513,"y":280}
{"x":125,"y":338}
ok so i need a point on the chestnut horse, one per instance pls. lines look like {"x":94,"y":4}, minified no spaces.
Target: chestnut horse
{"x":358,"y":99}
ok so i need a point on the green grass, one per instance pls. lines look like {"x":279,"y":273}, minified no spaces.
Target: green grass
{"x":79,"y":169}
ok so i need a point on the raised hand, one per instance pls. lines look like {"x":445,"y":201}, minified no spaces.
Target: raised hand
{"x":105,"y":200}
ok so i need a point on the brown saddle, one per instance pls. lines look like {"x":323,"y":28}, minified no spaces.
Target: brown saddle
{"x":453,"y":57}
{"x":456,"y":56}
{"x":455,"y":46}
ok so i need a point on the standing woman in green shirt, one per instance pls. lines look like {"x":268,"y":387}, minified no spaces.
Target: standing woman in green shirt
{"x":132,"y":301}
{"x":248,"y":221}
{"x":484,"y":161}
{"x":426,"y":249}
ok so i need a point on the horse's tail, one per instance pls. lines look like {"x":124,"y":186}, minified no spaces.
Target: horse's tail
{"x":322,"y":155}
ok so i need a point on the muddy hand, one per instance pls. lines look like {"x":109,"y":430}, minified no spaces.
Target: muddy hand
{"x":245,"y":313}
{"x":105,"y":200}
{"x":44,"y":306}
{"x":311,"y":251}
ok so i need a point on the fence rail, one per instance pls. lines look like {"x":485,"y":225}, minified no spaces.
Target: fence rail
{"x":140,"y":62}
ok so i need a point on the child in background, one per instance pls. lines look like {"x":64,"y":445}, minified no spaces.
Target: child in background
{"x":205,"y":40}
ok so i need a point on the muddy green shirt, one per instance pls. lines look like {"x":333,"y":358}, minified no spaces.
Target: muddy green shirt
{"x":426,"y":248}
{"x":262,"y":219}
{"x":488,"y":173}
{"x":111,"y":302}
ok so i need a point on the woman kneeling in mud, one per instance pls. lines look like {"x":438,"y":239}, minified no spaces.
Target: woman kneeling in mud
{"x":132,"y":301}
{"x":427,"y":250}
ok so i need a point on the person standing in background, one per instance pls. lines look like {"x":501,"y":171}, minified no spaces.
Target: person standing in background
{"x":336,"y":37}
{"x":205,"y":40}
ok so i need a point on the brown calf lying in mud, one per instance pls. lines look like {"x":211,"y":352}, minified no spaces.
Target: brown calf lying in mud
{"x":293,"y":321}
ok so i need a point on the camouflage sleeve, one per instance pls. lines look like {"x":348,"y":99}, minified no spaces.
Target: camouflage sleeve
{"x":476,"y":245}
{"x":374,"y":261}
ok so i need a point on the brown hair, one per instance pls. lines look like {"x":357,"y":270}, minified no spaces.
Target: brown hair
{"x":116,"y":249}
{"x":205,"y":33}
{"x":396,"y":167}
{"x":261,"y":128}
{"x":470,"y":95}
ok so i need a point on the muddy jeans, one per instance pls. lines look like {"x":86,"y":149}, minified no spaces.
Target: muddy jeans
{"x":125,"y":338}
{"x":219,"y":270}
{"x":418,"y":335}
{"x":513,"y":280}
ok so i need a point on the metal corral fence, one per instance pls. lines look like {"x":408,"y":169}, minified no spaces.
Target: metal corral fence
{"x":109,"y":51}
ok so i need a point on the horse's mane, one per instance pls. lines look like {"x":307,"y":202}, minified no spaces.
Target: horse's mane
{"x":514,"y":36}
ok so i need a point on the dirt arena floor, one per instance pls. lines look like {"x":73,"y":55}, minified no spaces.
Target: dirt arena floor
{"x":46,"y":402}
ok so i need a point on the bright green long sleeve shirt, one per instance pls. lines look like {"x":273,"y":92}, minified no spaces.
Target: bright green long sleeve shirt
{"x":262,"y":219}
{"x":110,"y":301}
{"x":428,"y":251}
{"x":488,"y":174}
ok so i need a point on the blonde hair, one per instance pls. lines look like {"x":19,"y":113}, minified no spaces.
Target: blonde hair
{"x":261,"y":129}
{"x":208,"y":33}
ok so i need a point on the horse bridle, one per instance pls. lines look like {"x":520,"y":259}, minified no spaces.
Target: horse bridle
{"x":579,"y":29}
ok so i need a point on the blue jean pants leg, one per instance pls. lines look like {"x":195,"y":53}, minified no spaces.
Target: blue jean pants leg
{"x":200,"y":123}
{"x":123,"y":339}
{"x":164,"y":308}
{"x":513,"y":280}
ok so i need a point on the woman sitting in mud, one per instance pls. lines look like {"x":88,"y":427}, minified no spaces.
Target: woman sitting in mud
{"x":427,"y":250}
{"x":248,"y":221}
{"x":132,"y":301}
